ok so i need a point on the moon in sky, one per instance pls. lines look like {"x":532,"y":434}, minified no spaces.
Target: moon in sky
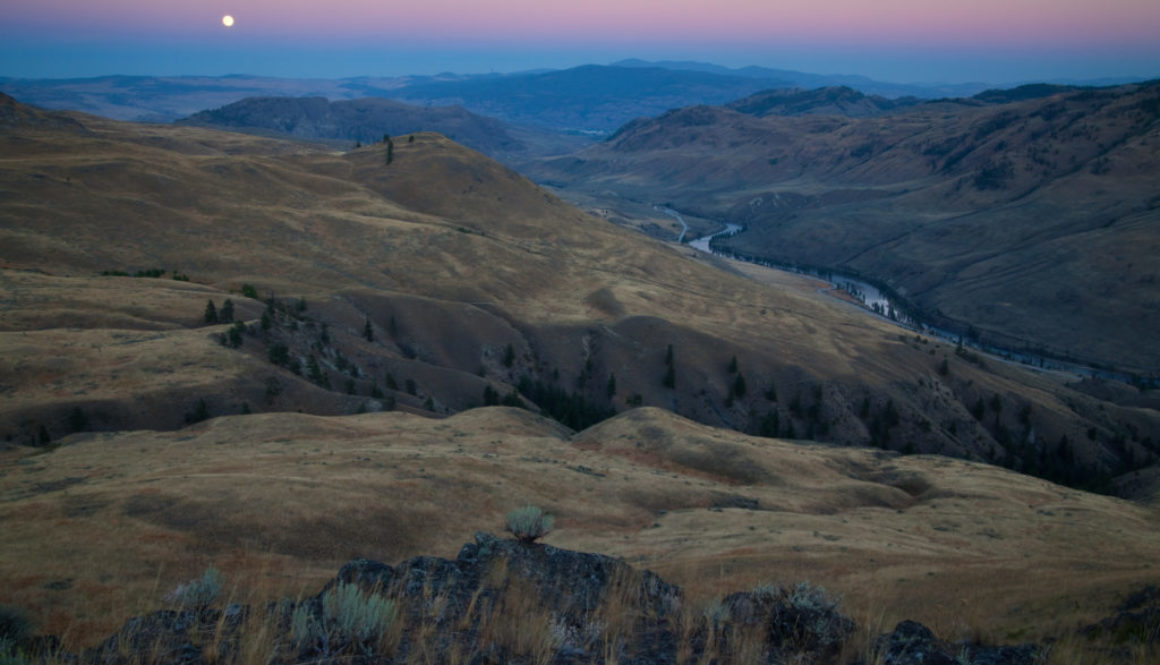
{"x":228,"y":21}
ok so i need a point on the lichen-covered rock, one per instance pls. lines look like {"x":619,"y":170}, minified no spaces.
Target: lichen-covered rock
{"x":803,"y":621}
{"x":507,"y":601}
{"x":911,"y":643}
{"x":180,"y":637}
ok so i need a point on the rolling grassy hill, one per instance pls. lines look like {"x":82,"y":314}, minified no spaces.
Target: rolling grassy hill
{"x":443,"y":277}
{"x":166,"y":439}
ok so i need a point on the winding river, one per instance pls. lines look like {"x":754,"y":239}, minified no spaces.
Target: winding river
{"x":876,"y":302}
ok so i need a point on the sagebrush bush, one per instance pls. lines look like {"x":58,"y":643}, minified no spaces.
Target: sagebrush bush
{"x":806,"y":616}
{"x":351,"y":619}
{"x":199,"y":593}
{"x":529,"y":523}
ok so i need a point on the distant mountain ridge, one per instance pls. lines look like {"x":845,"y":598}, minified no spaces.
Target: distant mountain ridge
{"x":590,"y":98}
{"x":866,"y":84}
{"x":840,"y":100}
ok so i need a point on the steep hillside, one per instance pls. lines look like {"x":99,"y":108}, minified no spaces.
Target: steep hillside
{"x":442,"y":281}
{"x":367,"y":120}
{"x":1031,"y":224}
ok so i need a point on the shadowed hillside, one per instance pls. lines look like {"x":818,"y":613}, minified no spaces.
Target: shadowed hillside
{"x":1025,"y":218}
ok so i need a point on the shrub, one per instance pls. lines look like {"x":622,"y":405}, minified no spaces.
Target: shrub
{"x":351,"y":618}
{"x":529,"y":523}
{"x":199,"y":593}
{"x":801,"y":619}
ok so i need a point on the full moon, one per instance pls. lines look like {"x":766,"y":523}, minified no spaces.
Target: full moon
{"x":228,"y":21}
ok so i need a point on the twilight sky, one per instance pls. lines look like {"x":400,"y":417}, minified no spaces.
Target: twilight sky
{"x":995,"y":41}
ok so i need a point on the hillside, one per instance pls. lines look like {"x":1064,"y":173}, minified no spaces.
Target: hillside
{"x":843,"y":101}
{"x":268,"y":356}
{"x":346,"y":122}
{"x":1026,"y":220}
{"x":278,"y":502}
{"x":443,"y":281}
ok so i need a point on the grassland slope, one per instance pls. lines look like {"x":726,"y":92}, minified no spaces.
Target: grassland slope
{"x":442,"y":281}
{"x":1026,"y":220}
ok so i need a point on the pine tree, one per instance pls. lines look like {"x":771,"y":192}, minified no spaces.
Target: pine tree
{"x":211,"y":315}
{"x":235,"y":333}
{"x":611,"y":386}
{"x":77,"y":420}
{"x":313,"y":371}
{"x":226,"y":314}
{"x":368,"y":332}
{"x":509,"y":356}
{"x":733,"y":365}
{"x":490,"y":396}
{"x":739,"y":386}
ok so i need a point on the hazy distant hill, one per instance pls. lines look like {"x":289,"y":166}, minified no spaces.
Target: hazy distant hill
{"x":167,"y":98}
{"x":367,"y":120}
{"x":591,"y":98}
{"x":807,"y":80}
{"x":1035,"y":220}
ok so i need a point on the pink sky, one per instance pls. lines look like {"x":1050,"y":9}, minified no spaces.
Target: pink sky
{"x":1122,"y":30}
{"x":894,"y":21}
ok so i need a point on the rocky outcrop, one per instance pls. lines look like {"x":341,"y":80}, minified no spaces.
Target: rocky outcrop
{"x":911,"y":643}
{"x":506,"y":601}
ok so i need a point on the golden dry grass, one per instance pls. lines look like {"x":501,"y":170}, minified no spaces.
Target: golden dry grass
{"x":278,"y":503}
{"x":470,"y":257}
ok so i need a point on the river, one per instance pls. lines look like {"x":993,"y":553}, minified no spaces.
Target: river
{"x":875,"y":301}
